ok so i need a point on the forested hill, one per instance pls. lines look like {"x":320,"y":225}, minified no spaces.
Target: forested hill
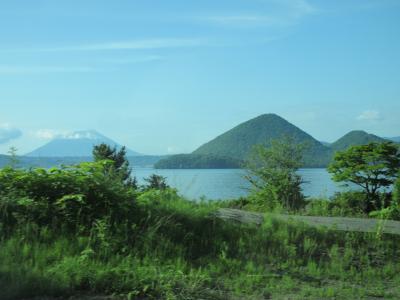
{"x":237,"y":143}
{"x":232,"y":148}
{"x":356,"y":137}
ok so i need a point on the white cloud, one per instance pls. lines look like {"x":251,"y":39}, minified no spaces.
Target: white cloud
{"x":277,"y":13}
{"x":49,"y":134}
{"x":8,"y":133}
{"x":134,"y":60}
{"x":143,"y":44}
{"x":370,"y":115}
{"x":46,"y":134}
{"x":172,"y":150}
{"x":248,"y":19}
{"x":18,"y":70}
{"x":42,"y":69}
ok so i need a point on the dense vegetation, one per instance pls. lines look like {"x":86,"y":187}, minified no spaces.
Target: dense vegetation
{"x":372,"y":167}
{"x":162,"y":246}
{"x":272,"y":173}
{"x":86,"y":230}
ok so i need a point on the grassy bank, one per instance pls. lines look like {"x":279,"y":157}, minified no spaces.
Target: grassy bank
{"x":177,"y":250}
{"x":81,"y":231}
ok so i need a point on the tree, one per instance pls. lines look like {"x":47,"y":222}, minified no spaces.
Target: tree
{"x":272,"y":173}
{"x":120,"y":166}
{"x":372,"y":167}
{"x":13,"y":159}
{"x":157,"y":182}
{"x":396,"y":192}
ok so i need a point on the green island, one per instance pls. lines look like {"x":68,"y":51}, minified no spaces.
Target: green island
{"x":88,"y":231}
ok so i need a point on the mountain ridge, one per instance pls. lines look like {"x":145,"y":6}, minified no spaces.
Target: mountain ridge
{"x":355,"y":137}
{"x":237,"y":143}
{"x":75,"y":144}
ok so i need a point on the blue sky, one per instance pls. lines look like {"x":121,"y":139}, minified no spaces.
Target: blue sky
{"x":166,"y":76}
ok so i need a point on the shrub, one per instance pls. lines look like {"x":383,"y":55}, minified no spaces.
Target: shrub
{"x":156,"y":182}
{"x":396,"y":192}
{"x":272,"y":173}
{"x":69,"y":196}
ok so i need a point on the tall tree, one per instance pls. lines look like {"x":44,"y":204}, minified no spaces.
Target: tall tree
{"x":272,"y":172}
{"x":372,"y":167}
{"x":120,"y":166}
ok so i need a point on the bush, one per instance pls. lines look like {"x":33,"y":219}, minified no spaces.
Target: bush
{"x":72,"y":197}
{"x":344,"y":204}
{"x":396,"y":192}
{"x":272,"y":173}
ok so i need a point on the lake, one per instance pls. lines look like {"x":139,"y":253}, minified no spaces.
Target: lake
{"x":229,"y":183}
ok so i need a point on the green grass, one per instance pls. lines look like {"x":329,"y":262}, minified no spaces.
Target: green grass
{"x":177,"y":249}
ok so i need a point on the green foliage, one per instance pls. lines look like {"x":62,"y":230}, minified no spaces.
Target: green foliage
{"x":156,"y":182}
{"x":79,"y":232}
{"x":69,"y":196}
{"x":272,"y":174}
{"x":396,"y":191}
{"x":181,"y":251}
{"x":13,"y":158}
{"x":343,"y":204}
{"x":120,"y":164}
{"x":392,"y":210}
{"x":372,"y":167}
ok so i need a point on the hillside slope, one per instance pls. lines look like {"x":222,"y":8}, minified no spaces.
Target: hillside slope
{"x":235,"y":145}
{"x":239,"y":141}
{"x":354,"y":138}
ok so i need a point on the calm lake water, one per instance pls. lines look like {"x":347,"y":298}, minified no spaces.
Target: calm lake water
{"x":229,"y":183}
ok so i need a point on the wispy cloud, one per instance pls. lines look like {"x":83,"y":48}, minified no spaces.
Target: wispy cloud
{"x":243,"y":19}
{"x":133,"y":60}
{"x":144,"y":44}
{"x":8,"y":133}
{"x":50,"y":134}
{"x":9,"y":70}
{"x":104,"y":65}
{"x":46,"y":134}
{"x":273,"y":13}
{"x":370,"y":115}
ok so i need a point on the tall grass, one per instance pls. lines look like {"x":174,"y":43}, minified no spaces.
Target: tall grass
{"x":177,"y":249}
{"x":80,"y":232}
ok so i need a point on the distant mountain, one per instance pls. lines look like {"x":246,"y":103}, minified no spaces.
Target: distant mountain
{"x":395,"y":139}
{"x":76,"y":144}
{"x":4,"y":159}
{"x":356,"y":137}
{"x":238,"y":143}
